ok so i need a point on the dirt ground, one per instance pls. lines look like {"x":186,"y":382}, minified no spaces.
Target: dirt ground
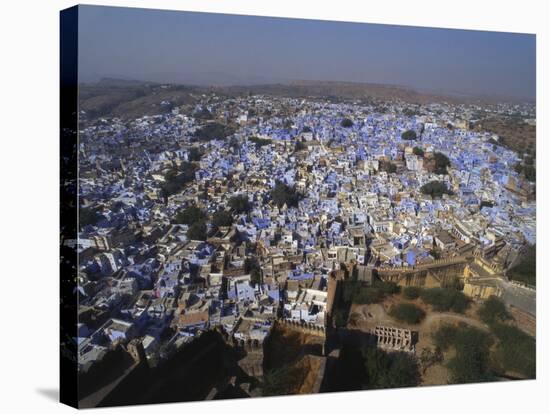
{"x":288,"y":347}
{"x":312,"y":365}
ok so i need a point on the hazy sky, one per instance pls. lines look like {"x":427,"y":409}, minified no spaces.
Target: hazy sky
{"x":203,"y":48}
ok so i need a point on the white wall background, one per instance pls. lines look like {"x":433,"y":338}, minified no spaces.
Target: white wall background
{"x":29,"y":203}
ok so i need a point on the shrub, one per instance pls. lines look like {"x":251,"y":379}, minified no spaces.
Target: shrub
{"x":516,"y":351}
{"x":493,"y":310}
{"x":471,"y":362}
{"x":340,"y":318}
{"x":429,"y":357}
{"x":444,"y":337}
{"x":283,"y":381}
{"x":460,"y":302}
{"x":408,"y":313}
{"x":368,"y":295}
{"x":445,"y":299}
{"x":411,"y":292}
{"x":390,"y":370}
{"x":349,"y":288}
{"x":387,"y":288}
{"x":353,"y":291}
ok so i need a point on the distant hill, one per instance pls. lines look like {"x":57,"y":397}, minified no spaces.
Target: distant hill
{"x":342,"y":90}
{"x":132,"y":98}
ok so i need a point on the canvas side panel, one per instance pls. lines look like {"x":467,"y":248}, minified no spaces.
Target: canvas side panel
{"x":68,"y":204}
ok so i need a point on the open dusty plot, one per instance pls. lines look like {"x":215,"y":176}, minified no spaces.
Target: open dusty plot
{"x":366,"y":317}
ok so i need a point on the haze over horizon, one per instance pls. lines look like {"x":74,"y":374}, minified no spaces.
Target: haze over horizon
{"x":218,"y":49}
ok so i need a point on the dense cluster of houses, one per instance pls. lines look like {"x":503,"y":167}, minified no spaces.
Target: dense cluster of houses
{"x":356,"y":197}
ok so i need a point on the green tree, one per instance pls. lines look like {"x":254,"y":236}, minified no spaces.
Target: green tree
{"x":493,"y":310}
{"x":222,"y":218}
{"x":530,"y":173}
{"x":441,"y":163}
{"x":388,"y":166}
{"x":239,"y":204}
{"x":445,"y":299}
{"x":471,"y":362}
{"x":212,"y":131}
{"x":409,"y":135}
{"x":194,"y":154}
{"x":346,"y":123}
{"x":88,"y":217}
{"x":190,"y":215}
{"x":177,"y":179}
{"x":408,"y":313}
{"x":299,"y":146}
{"x":435,"y":189}
{"x":418,"y":151}
{"x":516,"y":351}
{"x":197,"y":231}
{"x":259,"y":142}
{"x":283,"y":194}
{"x":486,"y":203}
{"x":203,"y":113}
{"x":252,"y":266}
{"x":526,"y":270}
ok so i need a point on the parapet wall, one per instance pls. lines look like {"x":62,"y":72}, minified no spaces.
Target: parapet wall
{"x":304,"y":327}
{"x":441,"y":272}
{"x":425,"y":266}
